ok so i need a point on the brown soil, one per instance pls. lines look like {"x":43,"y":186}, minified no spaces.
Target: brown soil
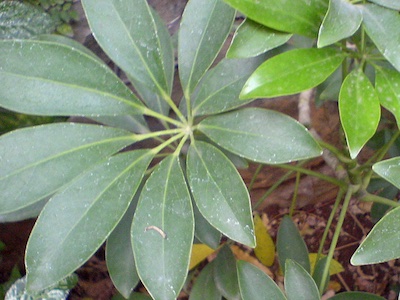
{"x":315,"y":200}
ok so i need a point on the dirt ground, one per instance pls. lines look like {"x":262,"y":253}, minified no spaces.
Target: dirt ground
{"x":315,"y":201}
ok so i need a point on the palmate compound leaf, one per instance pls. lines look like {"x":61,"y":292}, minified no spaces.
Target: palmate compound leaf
{"x":220,"y":193}
{"x":163,"y":229}
{"x":261,"y":135}
{"x":341,"y":21}
{"x":47,"y":78}
{"x":292,"y":72}
{"x":255,"y":284}
{"x":359,"y":110}
{"x":36,"y":162}
{"x":204,"y":28}
{"x":76,"y":221}
{"x":140,"y":45}
{"x":297,"y":16}
{"x":265,"y":248}
{"x":383,"y":27}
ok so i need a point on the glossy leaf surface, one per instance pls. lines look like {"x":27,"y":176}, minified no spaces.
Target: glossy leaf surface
{"x":261,"y":135}
{"x":204,"y":231}
{"x":162,"y":230}
{"x":356,"y":296}
{"x":255,"y":284}
{"x":389,"y":169}
{"x":383,"y":27}
{"x":119,"y":254}
{"x":220,"y":88}
{"x":359,"y":110}
{"x":299,"y":16}
{"x":341,"y":21}
{"x":292,"y":72}
{"x":265,"y":248}
{"x":45,"y":78}
{"x":225,"y":275}
{"x":141,"y":46}
{"x":32,"y":169}
{"x":299,"y":284}
{"x":382,"y":243}
{"x":204,"y":27}
{"x":387,"y":85}
{"x":220,"y":192}
{"x":252,"y":39}
{"x":204,"y":286}
{"x":393,"y":4}
{"x":290,"y":245}
{"x":68,"y":226}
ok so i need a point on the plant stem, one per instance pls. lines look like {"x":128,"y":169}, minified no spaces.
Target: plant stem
{"x":336,"y":152}
{"x":176,"y":110}
{"x":157,"y":149}
{"x":329,"y":223}
{"x":367,"y":197}
{"x":253,"y":179}
{"x":294,"y":198}
{"x":315,"y":174}
{"x":149,"y":112}
{"x":275,"y":186}
{"x":350,"y":190}
{"x":145,"y":136}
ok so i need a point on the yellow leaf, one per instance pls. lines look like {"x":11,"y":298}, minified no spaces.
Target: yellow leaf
{"x":265,"y":249}
{"x":334,"y":268}
{"x":199,"y":253}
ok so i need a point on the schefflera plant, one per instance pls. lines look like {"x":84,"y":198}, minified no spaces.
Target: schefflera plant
{"x":148,"y":204}
{"x":349,"y":51}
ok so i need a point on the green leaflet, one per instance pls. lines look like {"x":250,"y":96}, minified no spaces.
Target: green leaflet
{"x":387,"y":86}
{"x":37,"y":161}
{"x":261,"y":135}
{"x":68,"y":226}
{"x":119,"y":253}
{"x":204,"y":286}
{"x":382,"y":243}
{"x":299,"y":284}
{"x":341,"y":21}
{"x":297,"y":16}
{"x":290,"y":245}
{"x":252,"y":39}
{"x":204,"y":28}
{"x":141,"y":46}
{"x":220,"y":88}
{"x":33,"y":84}
{"x":220,"y":192}
{"x":383,"y":27}
{"x":292,"y":72}
{"x":225,"y":275}
{"x":393,"y":4}
{"x":162,"y":230}
{"x":389,"y":169}
{"x":255,"y":284}
{"x":359,"y":110}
